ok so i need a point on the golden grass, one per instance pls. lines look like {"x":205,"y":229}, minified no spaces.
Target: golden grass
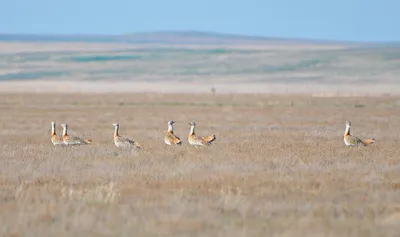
{"x":278,"y":167}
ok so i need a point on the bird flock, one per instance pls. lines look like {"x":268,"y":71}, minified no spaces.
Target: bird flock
{"x":124,"y":142}
{"x":171,"y":139}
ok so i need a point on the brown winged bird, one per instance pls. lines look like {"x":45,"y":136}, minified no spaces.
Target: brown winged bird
{"x":170,"y":138}
{"x":350,"y":140}
{"x":196,"y":140}
{"x":73,"y":141}
{"x":123,"y":142}
{"x":56,"y":140}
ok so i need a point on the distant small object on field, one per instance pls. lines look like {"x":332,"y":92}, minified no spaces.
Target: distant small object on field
{"x":213,"y":90}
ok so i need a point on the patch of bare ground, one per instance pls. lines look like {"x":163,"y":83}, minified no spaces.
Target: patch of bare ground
{"x":278,"y":167}
{"x":101,"y":87}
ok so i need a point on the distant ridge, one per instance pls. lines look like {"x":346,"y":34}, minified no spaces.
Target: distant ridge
{"x":160,"y":37}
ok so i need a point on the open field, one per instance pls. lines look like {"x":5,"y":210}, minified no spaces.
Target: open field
{"x":278,"y":167}
{"x":90,"y":87}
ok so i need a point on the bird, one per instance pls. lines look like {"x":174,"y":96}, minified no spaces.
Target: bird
{"x":123,"y":142}
{"x":73,"y":141}
{"x":170,"y":138}
{"x":56,"y":140}
{"x":350,"y":140}
{"x":196,"y":140}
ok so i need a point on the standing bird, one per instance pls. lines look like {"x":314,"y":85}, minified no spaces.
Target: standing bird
{"x":350,"y":140}
{"x":199,"y":141}
{"x":123,"y":142}
{"x":170,"y":138}
{"x":73,"y":141}
{"x":57,"y":141}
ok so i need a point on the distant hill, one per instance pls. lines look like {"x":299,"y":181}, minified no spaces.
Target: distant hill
{"x":159,"y":37}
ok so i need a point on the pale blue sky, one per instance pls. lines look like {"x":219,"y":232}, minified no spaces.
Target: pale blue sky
{"x":355,"y":20}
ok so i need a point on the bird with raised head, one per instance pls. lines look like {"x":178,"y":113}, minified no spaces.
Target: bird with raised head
{"x":195,"y":140}
{"x":170,"y":138}
{"x":350,"y":140}
{"x":123,"y":142}
{"x":71,"y":140}
{"x":56,"y":140}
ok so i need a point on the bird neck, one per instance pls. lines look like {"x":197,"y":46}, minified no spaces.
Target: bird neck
{"x":116,"y":131}
{"x":192,"y":130}
{"x":347,"y":131}
{"x":53,"y":130}
{"x":65,"y":132}
{"x":170,"y":128}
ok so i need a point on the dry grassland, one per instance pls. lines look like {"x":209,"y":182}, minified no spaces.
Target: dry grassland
{"x":278,"y":167}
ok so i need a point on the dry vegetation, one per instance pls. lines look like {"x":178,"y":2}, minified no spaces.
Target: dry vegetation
{"x":278,"y":167}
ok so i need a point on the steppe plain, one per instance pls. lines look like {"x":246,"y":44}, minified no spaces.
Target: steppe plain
{"x":278,"y":167}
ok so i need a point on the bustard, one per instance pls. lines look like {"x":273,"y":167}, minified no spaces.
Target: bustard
{"x":71,"y":140}
{"x":350,"y":140}
{"x":123,"y":142}
{"x":195,"y":140}
{"x":170,"y":138}
{"x":56,"y":140}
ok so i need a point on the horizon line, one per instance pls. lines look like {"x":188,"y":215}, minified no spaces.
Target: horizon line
{"x":205,"y":33}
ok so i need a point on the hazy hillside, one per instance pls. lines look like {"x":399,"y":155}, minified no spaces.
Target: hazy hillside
{"x":161,"y":37}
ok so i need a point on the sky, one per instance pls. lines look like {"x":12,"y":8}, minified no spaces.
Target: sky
{"x":348,"y":20}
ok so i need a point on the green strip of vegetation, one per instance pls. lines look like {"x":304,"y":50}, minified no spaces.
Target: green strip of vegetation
{"x":103,"y":58}
{"x":31,"y":75}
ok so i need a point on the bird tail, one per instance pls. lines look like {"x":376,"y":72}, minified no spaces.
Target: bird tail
{"x":177,"y":141}
{"x":367,"y":142}
{"x":210,"y":139}
{"x":87,"y":141}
